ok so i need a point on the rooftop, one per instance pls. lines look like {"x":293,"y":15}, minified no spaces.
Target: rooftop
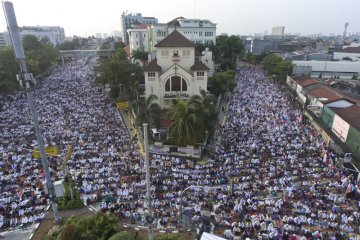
{"x":175,"y":39}
{"x":305,"y":81}
{"x":351,"y":50}
{"x":199,"y":66}
{"x":152,"y":66}
{"x":331,"y":95}
{"x":350,"y":114}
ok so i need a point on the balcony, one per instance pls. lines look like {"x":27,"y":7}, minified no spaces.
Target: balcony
{"x":175,"y":58}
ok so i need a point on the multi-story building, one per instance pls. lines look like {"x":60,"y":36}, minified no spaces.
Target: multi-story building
{"x":175,"y":73}
{"x":260,"y":46}
{"x":54,"y":33}
{"x":139,"y":38}
{"x":348,"y":53}
{"x":4,"y":39}
{"x":278,"y":31}
{"x":127,"y":20}
{"x":196,"y":30}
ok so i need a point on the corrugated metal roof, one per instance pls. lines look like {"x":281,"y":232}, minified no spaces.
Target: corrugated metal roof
{"x":350,"y":114}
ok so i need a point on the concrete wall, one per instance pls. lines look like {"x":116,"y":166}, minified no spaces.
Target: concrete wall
{"x":353,"y":141}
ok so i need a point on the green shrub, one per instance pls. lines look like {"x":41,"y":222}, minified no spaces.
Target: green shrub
{"x":123,"y":236}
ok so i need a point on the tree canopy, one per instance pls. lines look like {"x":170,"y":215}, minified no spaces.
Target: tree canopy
{"x":227,"y":51}
{"x":40,"y":57}
{"x":98,"y":227}
{"x":191,"y":119}
{"x":220,"y":81}
{"x":122,"y":76}
{"x":277,"y":67}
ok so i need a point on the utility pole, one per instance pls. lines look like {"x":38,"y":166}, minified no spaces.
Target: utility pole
{"x":27,"y":81}
{"x":148,"y":183}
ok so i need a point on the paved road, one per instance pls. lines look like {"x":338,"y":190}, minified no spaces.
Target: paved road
{"x":19,"y":234}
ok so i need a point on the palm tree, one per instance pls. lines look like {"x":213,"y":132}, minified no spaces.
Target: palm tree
{"x":149,"y":109}
{"x":205,"y":108}
{"x":183,"y":129}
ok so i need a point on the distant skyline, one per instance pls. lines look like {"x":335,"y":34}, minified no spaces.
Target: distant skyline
{"x":85,"y":18}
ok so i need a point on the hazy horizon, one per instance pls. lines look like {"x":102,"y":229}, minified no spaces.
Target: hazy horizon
{"x":85,"y":18}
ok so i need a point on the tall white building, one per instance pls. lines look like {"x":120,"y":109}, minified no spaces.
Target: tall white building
{"x":175,"y":73}
{"x":278,"y":31}
{"x":139,"y":38}
{"x":196,"y":30}
{"x":4,"y":39}
{"x":127,"y":20}
{"x":54,"y":33}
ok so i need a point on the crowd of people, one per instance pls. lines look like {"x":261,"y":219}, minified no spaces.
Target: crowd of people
{"x":270,"y":177}
{"x":73,"y":112}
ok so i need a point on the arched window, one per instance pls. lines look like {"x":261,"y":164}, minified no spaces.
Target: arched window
{"x":175,"y":84}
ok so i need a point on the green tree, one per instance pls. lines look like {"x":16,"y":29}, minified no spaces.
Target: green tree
{"x":123,"y":236}
{"x":139,"y":55}
{"x":30,"y":42}
{"x":119,"y":45}
{"x":168,"y":237}
{"x":191,"y":119}
{"x":122,"y":76}
{"x":97,"y":227}
{"x":183,"y":129}
{"x":219,"y":83}
{"x":206,"y":113}
{"x":40,"y":57}
{"x":9,"y":67}
{"x":277,"y":67}
{"x":68,"y":202}
{"x":227,"y":51}
{"x":150,"y":111}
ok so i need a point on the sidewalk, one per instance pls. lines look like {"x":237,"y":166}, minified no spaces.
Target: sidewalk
{"x":133,"y":131}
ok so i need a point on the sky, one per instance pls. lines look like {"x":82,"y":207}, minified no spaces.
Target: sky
{"x":87,"y":17}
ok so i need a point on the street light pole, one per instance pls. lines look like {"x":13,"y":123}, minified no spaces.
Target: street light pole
{"x":26,"y":79}
{"x":148,"y":183}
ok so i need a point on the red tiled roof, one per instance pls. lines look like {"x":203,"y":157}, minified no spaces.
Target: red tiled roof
{"x":199,"y":66}
{"x":140,"y":26}
{"x":351,"y":50}
{"x":175,"y":39}
{"x":350,"y":114}
{"x":152,"y":67}
{"x":331,"y":95}
{"x":307,"y":82}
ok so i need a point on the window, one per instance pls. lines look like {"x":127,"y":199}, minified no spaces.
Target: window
{"x":144,"y":35}
{"x":136,"y":35}
{"x":183,"y":85}
{"x":151,"y":74}
{"x":165,"y":53}
{"x":200,"y":34}
{"x":137,"y":43}
{"x":186,"y":53}
{"x":209,"y":34}
{"x":175,"y":53}
{"x":200,"y":74}
{"x":175,"y":84}
{"x":160,"y":34}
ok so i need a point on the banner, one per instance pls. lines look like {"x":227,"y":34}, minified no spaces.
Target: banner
{"x":122,"y":105}
{"x":52,"y":150}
